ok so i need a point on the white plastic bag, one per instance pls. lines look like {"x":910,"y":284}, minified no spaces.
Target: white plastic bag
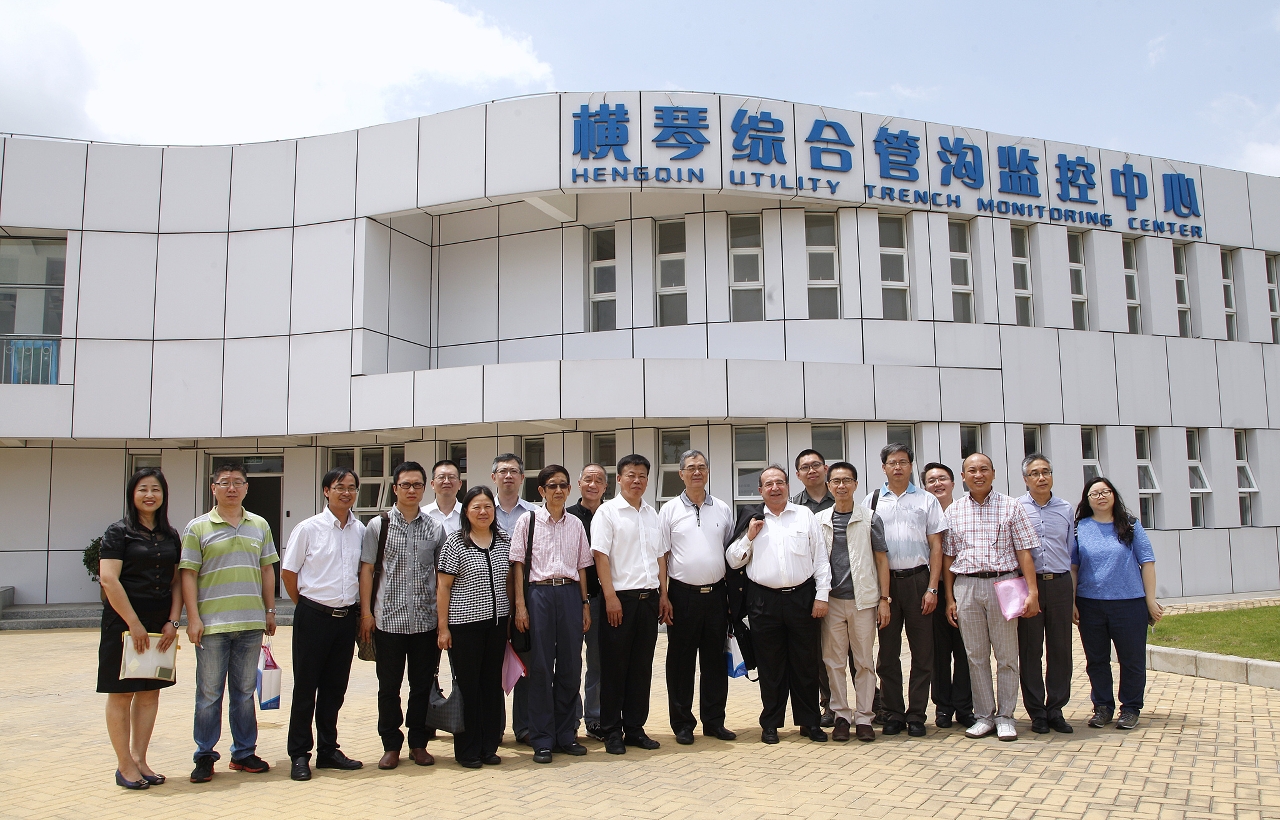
{"x":733,"y":659}
{"x":269,"y":675}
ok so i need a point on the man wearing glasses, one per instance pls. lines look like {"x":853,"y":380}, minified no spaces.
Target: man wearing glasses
{"x":398,"y":613}
{"x":811,"y":469}
{"x":693,"y":531}
{"x":556,"y":613}
{"x":321,"y":573}
{"x":508,"y":480}
{"x":445,"y":482}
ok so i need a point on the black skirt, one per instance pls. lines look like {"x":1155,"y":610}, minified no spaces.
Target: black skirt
{"x":154,"y":614}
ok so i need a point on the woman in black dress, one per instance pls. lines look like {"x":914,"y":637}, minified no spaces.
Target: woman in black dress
{"x":139,"y":572}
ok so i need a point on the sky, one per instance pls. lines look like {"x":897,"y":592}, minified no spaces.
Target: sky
{"x":1193,"y":81}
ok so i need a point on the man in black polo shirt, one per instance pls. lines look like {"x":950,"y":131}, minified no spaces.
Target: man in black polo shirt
{"x":592,"y":484}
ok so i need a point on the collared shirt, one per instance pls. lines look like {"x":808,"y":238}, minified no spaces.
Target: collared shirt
{"x":805,"y":500}
{"x":405,"y":603}
{"x":984,"y":537}
{"x":508,"y":520}
{"x":909,"y":520}
{"x":585,"y":515}
{"x":148,"y":560}
{"x":228,"y":563}
{"x":629,"y":539}
{"x":789,"y":550}
{"x":1054,"y":524}
{"x":451,"y":522}
{"x":695,"y":537}
{"x":560,"y":548}
{"x":479,"y":591}
{"x":326,"y":558}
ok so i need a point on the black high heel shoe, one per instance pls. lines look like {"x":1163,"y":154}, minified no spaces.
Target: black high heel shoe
{"x":153,"y":779}
{"x":136,"y":785}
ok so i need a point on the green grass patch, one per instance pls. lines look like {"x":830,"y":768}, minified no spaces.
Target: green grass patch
{"x":1248,"y":633}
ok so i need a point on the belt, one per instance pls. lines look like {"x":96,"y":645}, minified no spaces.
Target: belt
{"x":638,"y":594}
{"x":907,"y":573}
{"x":332,"y":611}
{"x":788,"y":590}
{"x":699,"y":589}
{"x":1049,"y":576}
{"x":988,"y":574}
{"x":553,"y":582}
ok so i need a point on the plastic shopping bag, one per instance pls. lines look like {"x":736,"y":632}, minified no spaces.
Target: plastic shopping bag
{"x":513,"y":669}
{"x":733,"y":658}
{"x":268,"y":679}
{"x":1012,"y":594}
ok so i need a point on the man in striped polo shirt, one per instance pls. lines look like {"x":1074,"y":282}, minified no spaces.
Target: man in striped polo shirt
{"x":228,"y":586}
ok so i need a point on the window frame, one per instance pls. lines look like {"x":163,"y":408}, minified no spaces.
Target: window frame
{"x":888,"y":286}
{"x":1132,"y":295}
{"x":595,"y":297}
{"x":32,"y":357}
{"x":610,"y":465}
{"x":1146,"y":473}
{"x":451,"y":451}
{"x":832,"y":284}
{"x":1090,"y":441}
{"x":962,"y":293}
{"x":1244,"y":474}
{"x":1195,"y":472}
{"x":534,"y":461}
{"x":1273,"y":296}
{"x":666,"y":468}
{"x":1182,"y":292}
{"x":839,"y":429}
{"x":744,"y":286}
{"x":663,"y":293}
{"x":740,"y":465}
{"x":1229,"y":301}
{"x":1023,"y":298}
{"x":975,"y":430}
{"x":1038,"y":434}
{"x":392,"y":457}
{"x":1077,"y":273}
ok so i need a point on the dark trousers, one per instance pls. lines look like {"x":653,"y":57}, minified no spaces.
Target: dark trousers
{"x":476,"y":657}
{"x":905,"y":611}
{"x":788,"y":641}
{"x":420,"y":652}
{"x":952,"y":694}
{"x":626,"y":663}
{"x":696,"y":636}
{"x":1050,"y":631}
{"x":555,"y":669}
{"x":1123,"y":623}
{"x":322,"y":650}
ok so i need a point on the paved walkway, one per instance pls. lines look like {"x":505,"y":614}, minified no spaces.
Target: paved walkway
{"x":1204,"y":749}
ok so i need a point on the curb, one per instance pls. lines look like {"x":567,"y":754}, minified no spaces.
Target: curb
{"x":1214,"y":667}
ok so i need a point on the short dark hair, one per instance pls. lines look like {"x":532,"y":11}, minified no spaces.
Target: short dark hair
{"x":479,"y":489}
{"x":162,"y":525}
{"x":842,"y":465}
{"x":498,"y":459}
{"x":229,"y":467}
{"x":897,"y":447}
{"x":777,"y":467}
{"x":933,"y":465}
{"x":335,"y":475}
{"x":407,"y":467}
{"x":633,"y":459}
{"x":1032,"y":458}
{"x":545,"y":474}
{"x":444,"y":462}
{"x":810,"y":452}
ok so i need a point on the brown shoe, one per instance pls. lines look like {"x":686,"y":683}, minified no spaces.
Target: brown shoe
{"x":390,"y":760}
{"x":422,"y":757}
{"x":841,"y":731}
{"x":864,"y":732}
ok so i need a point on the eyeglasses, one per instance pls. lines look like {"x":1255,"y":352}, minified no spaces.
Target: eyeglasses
{"x":343,"y":490}
{"x":238,"y":484}
{"x":840,"y":482}
{"x":506,"y":472}
{"x":769,"y":485}
{"x":415,"y":485}
{"x":1039,"y":473}
{"x":897,"y":462}
{"x":694,"y":469}
{"x":1096,"y":494}
{"x":552,"y":486}
{"x":446,"y":479}
{"x":811,"y":467}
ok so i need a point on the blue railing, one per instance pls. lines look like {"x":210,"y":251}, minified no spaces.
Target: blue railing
{"x":29,"y":361}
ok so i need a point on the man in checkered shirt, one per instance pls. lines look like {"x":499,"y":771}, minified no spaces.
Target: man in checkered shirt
{"x":989,"y":539}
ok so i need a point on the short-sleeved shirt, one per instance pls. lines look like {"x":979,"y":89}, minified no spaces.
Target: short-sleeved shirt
{"x":228,"y":563}
{"x":1053,"y":524}
{"x":1110,"y":570}
{"x":985,"y":537}
{"x":148,"y":561}
{"x":694,"y":538}
{"x":909,"y":520}
{"x":451,"y":522}
{"x":560,"y":548}
{"x":508,"y":520}
{"x":803,"y":499}
{"x":479,"y":590}
{"x":405,"y":603}
{"x":326,"y":558}
{"x":628,"y":537}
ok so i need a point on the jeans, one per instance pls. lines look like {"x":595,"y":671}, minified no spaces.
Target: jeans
{"x":1123,"y":623}
{"x":227,"y":659}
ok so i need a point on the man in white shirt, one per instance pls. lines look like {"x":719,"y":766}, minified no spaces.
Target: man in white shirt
{"x":786,"y":559}
{"x":445,"y":510}
{"x":321,"y":573}
{"x":508,"y":481}
{"x":630,"y":562}
{"x":694,"y":529}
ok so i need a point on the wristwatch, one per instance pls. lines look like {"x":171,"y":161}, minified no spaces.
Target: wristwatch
{"x":175,"y":624}
{"x":271,"y":612}
{"x":886,"y":599}
{"x":932,"y":590}
{"x":585,"y":601}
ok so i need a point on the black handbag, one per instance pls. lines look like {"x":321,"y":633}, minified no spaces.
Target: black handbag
{"x":444,"y":713}
{"x":367,"y":650}
{"x":523,"y":641}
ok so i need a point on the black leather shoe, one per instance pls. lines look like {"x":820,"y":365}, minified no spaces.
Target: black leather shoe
{"x":470,"y":764}
{"x":769,"y":736}
{"x":575,"y":748}
{"x":828,"y":719}
{"x":1040,"y":726}
{"x":542,"y":756}
{"x":719,"y":733}
{"x":613,"y":745}
{"x":814,"y":733}
{"x":301,"y":769}
{"x":491,"y":760}
{"x":1059,"y":724}
{"x":684,"y":737}
{"x":642,"y":741}
{"x":966,"y":720}
{"x":915,"y":728}
{"x":943,"y":721}
{"x":337,"y":760}
{"x":893,"y":727}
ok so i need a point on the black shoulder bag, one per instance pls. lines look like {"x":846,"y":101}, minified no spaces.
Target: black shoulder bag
{"x":366,"y":650}
{"x":523,"y":641}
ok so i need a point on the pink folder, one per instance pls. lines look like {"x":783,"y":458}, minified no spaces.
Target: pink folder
{"x":512,"y":669}
{"x":1012,"y":594}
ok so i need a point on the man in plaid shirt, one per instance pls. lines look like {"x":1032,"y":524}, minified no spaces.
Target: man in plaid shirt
{"x":989,"y":539}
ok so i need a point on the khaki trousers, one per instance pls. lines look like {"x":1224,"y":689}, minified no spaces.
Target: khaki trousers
{"x":848,"y":630}
{"x":986,"y":632}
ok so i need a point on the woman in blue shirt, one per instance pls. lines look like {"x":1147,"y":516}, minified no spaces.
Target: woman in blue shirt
{"x":1114,"y":569}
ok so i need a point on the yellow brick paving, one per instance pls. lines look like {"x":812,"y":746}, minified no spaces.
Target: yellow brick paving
{"x":1204,"y":749}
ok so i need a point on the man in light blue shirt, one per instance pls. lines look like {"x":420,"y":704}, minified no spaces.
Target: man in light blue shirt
{"x":1046,"y":691}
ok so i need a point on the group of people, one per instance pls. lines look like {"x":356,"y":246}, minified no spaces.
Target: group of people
{"x":804,"y":584}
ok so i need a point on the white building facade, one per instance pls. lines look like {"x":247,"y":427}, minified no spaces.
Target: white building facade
{"x":574,"y":277}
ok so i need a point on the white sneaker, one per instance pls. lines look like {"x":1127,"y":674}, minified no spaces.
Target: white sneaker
{"x":981,"y":728}
{"x":1005,"y":730}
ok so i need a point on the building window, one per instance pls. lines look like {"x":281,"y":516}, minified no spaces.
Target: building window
{"x":1079,"y":293}
{"x":828,"y":439}
{"x":970,"y":440}
{"x":373,"y":465}
{"x":673,"y":444}
{"x":1089,"y":452}
{"x":1147,"y":486}
{"x":1244,"y":479}
{"x":1273,"y":298}
{"x":604,"y":280}
{"x":1031,"y":439}
{"x":1131,"y":298}
{"x":1024,"y":314}
{"x":32,"y":273}
{"x":895,"y":282}
{"x":750,"y":458}
{"x":746,"y":289}
{"x":824,"y":272}
{"x":1196,"y":479}
{"x":604,"y":451}
{"x":139,"y":461}
{"x":456,"y":452}
{"x":1181,"y":291}
{"x":673,"y":298}
{"x":961,"y":272}
{"x":903,"y":434}
{"x":1229,"y":294}
{"x":534,"y":453}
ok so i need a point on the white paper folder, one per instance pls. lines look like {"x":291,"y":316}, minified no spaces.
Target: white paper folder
{"x":152,"y":663}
